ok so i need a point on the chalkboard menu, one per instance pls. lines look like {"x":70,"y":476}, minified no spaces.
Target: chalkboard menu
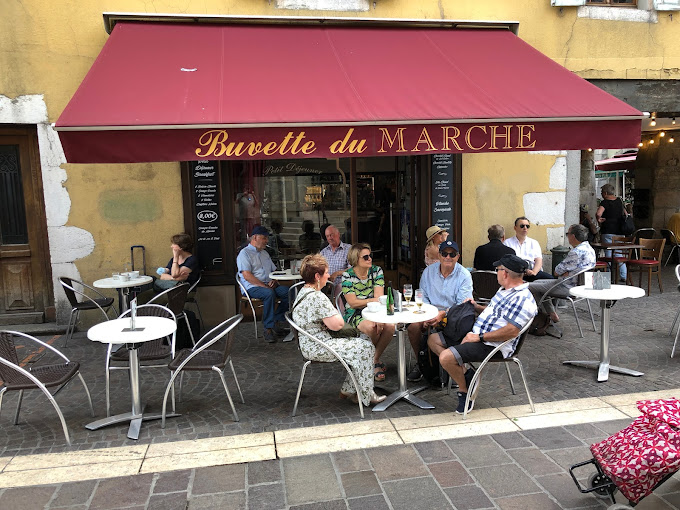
{"x":205,"y":186}
{"x":442,"y":191}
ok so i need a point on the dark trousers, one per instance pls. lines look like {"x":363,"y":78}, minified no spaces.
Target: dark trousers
{"x":268,"y":297}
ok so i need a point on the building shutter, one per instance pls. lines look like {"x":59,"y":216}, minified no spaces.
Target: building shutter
{"x":667,"y":5}
{"x":565,"y":3}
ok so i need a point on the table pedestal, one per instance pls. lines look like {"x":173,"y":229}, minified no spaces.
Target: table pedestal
{"x":403,"y":392}
{"x":137,"y":415}
{"x":603,"y":367}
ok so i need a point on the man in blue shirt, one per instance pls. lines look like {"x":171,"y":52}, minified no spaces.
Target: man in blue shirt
{"x":445,"y":284}
{"x":254,"y":265}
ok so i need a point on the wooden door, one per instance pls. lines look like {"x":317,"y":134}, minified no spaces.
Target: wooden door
{"x":25,"y":275}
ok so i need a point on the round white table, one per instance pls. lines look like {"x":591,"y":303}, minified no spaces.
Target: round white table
{"x":607,"y":298}
{"x":122,"y":287}
{"x":400,"y":319}
{"x":118,"y":332}
{"x":285,"y":277}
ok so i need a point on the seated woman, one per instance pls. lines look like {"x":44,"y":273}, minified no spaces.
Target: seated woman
{"x":183,"y":266}
{"x":361,"y":284}
{"x":435,"y":236}
{"x":316,"y":315}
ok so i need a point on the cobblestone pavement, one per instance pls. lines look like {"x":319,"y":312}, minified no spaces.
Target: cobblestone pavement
{"x":511,"y":471}
{"x":269,"y":374}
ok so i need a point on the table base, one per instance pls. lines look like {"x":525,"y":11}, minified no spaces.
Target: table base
{"x":134,"y":419}
{"x":603,"y":369}
{"x":407,"y":395}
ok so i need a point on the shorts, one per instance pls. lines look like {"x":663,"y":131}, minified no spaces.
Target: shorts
{"x":473,"y":351}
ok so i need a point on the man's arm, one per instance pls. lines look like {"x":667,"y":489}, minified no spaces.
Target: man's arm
{"x":568,"y":265}
{"x":500,"y":335}
{"x":252,"y":279}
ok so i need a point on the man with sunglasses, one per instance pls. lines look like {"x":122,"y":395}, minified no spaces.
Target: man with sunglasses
{"x":528,"y":249}
{"x":445,"y":284}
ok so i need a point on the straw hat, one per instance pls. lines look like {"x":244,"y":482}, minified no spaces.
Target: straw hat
{"x":433,"y":231}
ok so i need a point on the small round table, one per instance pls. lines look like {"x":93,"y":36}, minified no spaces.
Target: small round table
{"x":122,"y":287}
{"x":400,"y":319}
{"x":118,"y":332}
{"x":607,"y":298}
{"x":287,"y":278}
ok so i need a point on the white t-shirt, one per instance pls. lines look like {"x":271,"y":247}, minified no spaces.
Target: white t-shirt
{"x":529,"y":250}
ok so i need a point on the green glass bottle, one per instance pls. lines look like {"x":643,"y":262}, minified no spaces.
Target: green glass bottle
{"x":390,"y":300}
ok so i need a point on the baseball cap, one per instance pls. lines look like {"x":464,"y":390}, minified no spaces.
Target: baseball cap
{"x":259,"y":230}
{"x":513,"y":263}
{"x":448,"y":244}
{"x":433,"y":231}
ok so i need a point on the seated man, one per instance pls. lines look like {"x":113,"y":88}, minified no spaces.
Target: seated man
{"x":445,"y":284}
{"x":528,"y":249}
{"x":580,"y":258}
{"x":254,"y":265}
{"x":512,"y":308}
{"x":335,"y":254}
{"x":487,"y":254}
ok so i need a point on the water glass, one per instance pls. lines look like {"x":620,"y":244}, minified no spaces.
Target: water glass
{"x":419,"y":300}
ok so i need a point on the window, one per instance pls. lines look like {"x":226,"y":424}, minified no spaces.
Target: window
{"x":618,"y":3}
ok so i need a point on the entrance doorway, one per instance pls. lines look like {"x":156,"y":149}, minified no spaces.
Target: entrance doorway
{"x":25,"y":276}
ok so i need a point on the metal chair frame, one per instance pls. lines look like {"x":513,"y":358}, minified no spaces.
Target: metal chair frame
{"x":308,"y":362}
{"x":648,"y":253}
{"x":141,"y":357}
{"x":39,"y":385}
{"x":193,"y":299}
{"x":209,"y":339}
{"x":251,"y":301}
{"x":75,"y":312}
{"x":179,"y":314}
{"x":671,"y":240}
{"x":677,"y":315}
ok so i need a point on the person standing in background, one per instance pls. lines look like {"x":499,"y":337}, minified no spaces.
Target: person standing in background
{"x":609,"y":216}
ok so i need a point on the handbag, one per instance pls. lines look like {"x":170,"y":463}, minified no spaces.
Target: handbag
{"x":627,"y":225}
{"x":346,"y":331}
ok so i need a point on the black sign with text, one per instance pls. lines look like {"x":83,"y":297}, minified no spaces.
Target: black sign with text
{"x":206,"y":189}
{"x":442,"y":191}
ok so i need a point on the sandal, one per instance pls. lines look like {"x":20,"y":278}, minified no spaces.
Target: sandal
{"x":379,"y":375}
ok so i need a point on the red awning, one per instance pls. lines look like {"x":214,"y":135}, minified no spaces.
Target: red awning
{"x":622,"y":162}
{"x":178,"y":92}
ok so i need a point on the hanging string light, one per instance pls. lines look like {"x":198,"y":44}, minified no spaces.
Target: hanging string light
{"x":653,"y":121}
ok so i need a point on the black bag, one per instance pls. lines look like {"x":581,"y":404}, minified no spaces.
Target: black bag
{"x":540,"y":324}
{"x":346,"y":331}
{"x":459,"y":322}
{"x":183,"y":339}
{"x":428,"y":363}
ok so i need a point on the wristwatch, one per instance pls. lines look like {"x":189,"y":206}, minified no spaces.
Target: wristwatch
{"x":481,"y":337}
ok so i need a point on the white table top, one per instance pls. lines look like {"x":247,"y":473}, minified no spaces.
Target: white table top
{"x":405,"y":317}
{"x":616,"y":292}
{"x":284,"y":275}
{"x":111,"y":332}
{"x":112,"y":283}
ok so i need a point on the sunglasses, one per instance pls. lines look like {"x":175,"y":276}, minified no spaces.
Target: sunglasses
{"x":524,"y":225}
{"x":367,"y":257}
{"x":451,"y":254}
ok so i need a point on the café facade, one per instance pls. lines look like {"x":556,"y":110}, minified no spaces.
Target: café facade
{"x":382,"y":127}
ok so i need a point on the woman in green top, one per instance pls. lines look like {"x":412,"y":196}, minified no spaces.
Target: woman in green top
{"x":361,"y":284}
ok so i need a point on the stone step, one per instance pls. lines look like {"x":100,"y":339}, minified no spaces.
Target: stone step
{"x":39,"y":329}
{"x":21,"y":318}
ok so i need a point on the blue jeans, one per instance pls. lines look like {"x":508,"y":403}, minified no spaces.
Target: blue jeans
{"x":268,"y":297}
{"x":607,"y":238}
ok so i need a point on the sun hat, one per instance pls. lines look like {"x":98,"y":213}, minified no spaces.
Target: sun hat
{"x":433,"y":231}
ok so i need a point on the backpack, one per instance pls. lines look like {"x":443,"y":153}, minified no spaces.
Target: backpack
{"x":459,"y":322}
{"x":540,"y":324}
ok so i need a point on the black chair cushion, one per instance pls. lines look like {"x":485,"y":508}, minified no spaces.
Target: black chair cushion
{"x":89,"y":305}
{"x":49,"y":375}
{"x":205,"y":360}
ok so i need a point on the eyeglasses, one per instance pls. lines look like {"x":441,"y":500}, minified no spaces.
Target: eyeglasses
{"x":451,"y":254}
{"x":501,"y":269}
{"x":524,"y":225}
{"x":366,"y":257}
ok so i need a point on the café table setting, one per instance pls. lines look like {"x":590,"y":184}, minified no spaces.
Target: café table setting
{"x":122,"y":282}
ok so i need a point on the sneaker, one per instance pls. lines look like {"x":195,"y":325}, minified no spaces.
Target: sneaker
{"x":270,"y":336}
{"x":461,"y":403}
{"x":414,"y":375}
{"x":281,"y":328}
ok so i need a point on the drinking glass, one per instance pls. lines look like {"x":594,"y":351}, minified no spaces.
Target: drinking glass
{"x":419,"y":300}
{"x":408,"y":293}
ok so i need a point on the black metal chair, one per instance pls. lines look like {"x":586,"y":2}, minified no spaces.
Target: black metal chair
{"x":301,"y":331}
{"x":17,"y":378}
{"x":672,"y":241}
{"x":202,"y":358}
{"x":101,"y":302}
{"x":484,"y":285}
{"x":677,"y":315}
{"x":176,"y":297}
{"x":148,"y":352}
{"x":192,"y":298}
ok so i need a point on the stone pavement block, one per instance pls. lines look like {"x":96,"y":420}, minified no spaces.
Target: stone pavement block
{"x":551,"y":438}
{"x":336,"y":504}
{"x":477,"y":455}
{"x":567,"y":457}
{"x":368,"y":503}
{"x":214,"y":479}
{"x":651,"y":502}
{"x":70,"y":494}
{"x":267,"y":471}
{"x":434,"y":451}
{"x":562,"y":488}
{"x":360,"y":483}
{"x":505,"y":480}
{"x":672,"y":498}
{"x":528,"y":502}
{"x":534,"y":461}
{"x":26,"y":498}
{"x":122,"y":492}
{"x":269,"y":496}
{"x":229,"y":501}
{"x":394,"y":463}
{"x":670,"y":485}
{"x":450,"y":474}
{"x":612,"y":427}
{"x":310,"y":479}
{"x":468,"y":497}
{"x":586,"y":432}
{"x":174,"y":501}
{"x":510,"y":440}
{"x":415,"y":493}
{"x":353,"y":460}
{"x":172,"y":481}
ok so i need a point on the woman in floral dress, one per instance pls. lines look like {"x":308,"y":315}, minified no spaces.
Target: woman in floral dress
{"x":361,"y":284}
{"x":314,"y":313}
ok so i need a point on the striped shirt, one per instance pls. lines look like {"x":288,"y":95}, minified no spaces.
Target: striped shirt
{"x":337,"y":259}
{"x":514,"y":306}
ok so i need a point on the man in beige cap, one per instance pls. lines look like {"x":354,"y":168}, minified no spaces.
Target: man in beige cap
{"x":435,"y":236}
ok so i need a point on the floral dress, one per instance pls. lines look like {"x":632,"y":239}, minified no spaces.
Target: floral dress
{"x":358,"y":353}
{"x":362,"y":289}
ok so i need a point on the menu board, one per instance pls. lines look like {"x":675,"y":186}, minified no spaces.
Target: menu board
{"x":205,"y":185}
{"x":442,"y":191}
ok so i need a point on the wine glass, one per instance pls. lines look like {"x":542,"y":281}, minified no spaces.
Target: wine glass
{"x":408,"y":293}
{"x":419,"y":300}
